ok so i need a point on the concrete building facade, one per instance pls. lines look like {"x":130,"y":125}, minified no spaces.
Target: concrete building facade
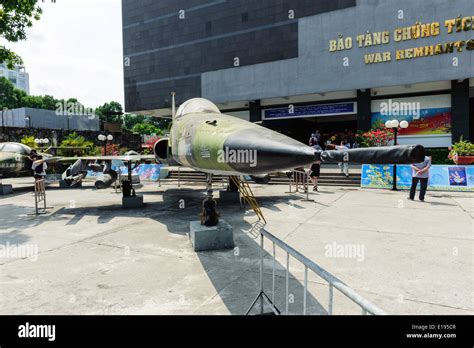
{"x":18,"y":76}
{"x":303,"y":65}
{"x":48,"y":119}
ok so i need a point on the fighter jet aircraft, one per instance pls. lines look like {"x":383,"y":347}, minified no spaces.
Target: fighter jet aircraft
{"x":16,"y":160}
{"x":203,"y":138}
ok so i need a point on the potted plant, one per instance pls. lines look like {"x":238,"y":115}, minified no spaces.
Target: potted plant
{"x":462,"y":152}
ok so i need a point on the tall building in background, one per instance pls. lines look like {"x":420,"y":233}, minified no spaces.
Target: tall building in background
{"x":302,"y":65}
{"x":18,"y":76}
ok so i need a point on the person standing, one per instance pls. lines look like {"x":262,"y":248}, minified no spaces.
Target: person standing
{"x":343,"y":166}
{"x":33,"y":155}
{"x":39,"y":168}
{"x":421,"y":174}
{"x":315,"y":173}
{"x":317,"y":137}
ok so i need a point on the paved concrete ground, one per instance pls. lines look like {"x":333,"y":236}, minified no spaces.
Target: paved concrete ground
{"x":93,"y":257}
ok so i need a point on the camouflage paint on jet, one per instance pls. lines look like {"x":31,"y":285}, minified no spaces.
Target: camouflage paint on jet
{"x":14,"y":160}
{"x":207,"y":140}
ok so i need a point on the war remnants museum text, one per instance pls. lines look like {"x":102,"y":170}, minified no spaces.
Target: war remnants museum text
{"x":415,"y":32}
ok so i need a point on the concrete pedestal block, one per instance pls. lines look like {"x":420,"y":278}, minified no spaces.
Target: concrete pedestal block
{"x":6,"y":189}
{"x":62,"y":184}
{"x":132,"y":202}
{"x":135,"y":178}
{"x":164,"y":172}
{"x":229,"y":197}
{"x":211,"y":238}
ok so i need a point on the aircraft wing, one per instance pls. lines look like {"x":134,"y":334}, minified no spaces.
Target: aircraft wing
{"x":125,"y":158}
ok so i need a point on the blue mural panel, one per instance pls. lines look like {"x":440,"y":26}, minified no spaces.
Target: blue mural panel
{"x":147,"y":172}
{"x":442,"y":177}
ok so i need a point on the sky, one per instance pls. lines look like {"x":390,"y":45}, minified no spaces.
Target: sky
{"x":75,"y":51}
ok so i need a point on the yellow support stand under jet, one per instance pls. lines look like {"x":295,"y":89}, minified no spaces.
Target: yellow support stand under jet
{"x":247,"y":194}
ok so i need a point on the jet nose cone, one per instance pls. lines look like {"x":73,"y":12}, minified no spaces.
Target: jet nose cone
{"x":261,"y":150}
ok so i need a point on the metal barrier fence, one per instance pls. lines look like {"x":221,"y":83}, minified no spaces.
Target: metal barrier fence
{"x":40,"y":197}
{"x":334,"y":283}
{"x":300,"y":178}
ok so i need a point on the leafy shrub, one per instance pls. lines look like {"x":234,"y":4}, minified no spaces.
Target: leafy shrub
{"x":75,"y":140}
{"x":439,"y":156}
{"x":29,"y":141}
{"x":461,"y":148}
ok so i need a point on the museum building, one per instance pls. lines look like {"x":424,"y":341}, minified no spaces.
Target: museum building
{"x":302,"y":65}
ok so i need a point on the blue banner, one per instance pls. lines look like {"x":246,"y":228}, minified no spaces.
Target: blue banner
{"x":310,"y":111}
{"x":147,"y":172}
{"x":442,"y":177}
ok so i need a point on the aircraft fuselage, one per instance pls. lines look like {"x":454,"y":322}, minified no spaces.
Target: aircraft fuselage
{"x":221,"y":144}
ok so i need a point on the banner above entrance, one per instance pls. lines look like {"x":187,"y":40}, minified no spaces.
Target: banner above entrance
{"x":321,"y":110}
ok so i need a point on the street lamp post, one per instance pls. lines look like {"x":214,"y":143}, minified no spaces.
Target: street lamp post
{"x":41,"y":142}
{"x":104,"y":138}
{"x":394,"y":125}
{"x":3,"y":120}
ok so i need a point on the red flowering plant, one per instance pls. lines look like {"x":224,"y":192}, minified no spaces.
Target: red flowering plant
{"x":377,"y":136}
{"x":149,"y":144}
{"x":112,"y":150}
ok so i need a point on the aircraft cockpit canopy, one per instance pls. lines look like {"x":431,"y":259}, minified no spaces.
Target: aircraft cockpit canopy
{"x":197,"y":105}
{"x":15,"y":148}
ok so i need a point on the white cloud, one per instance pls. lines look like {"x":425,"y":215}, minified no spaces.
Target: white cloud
{"x":75,"y":51}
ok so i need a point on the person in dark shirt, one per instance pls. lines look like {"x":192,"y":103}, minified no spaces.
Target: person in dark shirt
{"x":314,"y":175}
{"x":39,"y":167}
{"x":33,"y":155}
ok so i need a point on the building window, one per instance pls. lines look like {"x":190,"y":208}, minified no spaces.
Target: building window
{"x":208,"y":27}
{"x":245,"y":17}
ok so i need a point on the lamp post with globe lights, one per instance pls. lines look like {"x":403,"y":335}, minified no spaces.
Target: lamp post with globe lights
{"x":395,"y":125}
{"x":41,"y":142}
{"x":105,"y":138}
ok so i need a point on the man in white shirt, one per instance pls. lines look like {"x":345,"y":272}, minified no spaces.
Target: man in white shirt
{"x":343,"y":165}
{"x":420,"y":173}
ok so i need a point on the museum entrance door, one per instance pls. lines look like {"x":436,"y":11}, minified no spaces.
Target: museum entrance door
{"x":301,"y":128}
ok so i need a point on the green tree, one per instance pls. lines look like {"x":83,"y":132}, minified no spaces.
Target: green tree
{"x":7,"y":94}
{"x":15,"y":17}
{"x":10,"y":97}
{"x":162,"y":123}
{"x":104,"y":112}
{"x":31,"y":101}
{"x":49,"y":102}
{"x":130,"y":120}
{"x":147,"y":129}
